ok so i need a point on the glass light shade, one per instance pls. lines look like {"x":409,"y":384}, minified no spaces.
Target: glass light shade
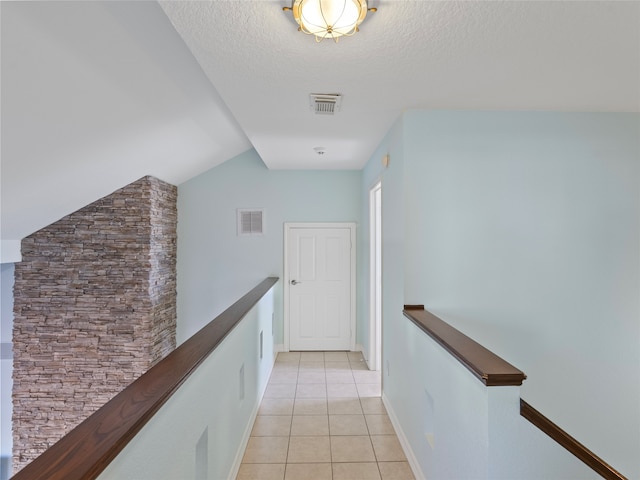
{"x":329,"y":18}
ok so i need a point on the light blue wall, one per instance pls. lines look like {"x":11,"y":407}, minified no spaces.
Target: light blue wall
{"x":215,"y":266}
{"x":522,"y":230}
{"x":6,"y":366}
{"x":393,"y":215}
{"x":202,"y":429}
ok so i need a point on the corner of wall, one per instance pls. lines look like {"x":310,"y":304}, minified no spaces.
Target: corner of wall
{"x":10,"y":251}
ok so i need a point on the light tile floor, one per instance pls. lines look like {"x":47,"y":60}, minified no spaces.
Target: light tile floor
{"x":322,"y":418}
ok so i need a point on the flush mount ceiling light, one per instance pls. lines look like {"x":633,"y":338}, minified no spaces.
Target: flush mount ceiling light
{"x":329,"y":18}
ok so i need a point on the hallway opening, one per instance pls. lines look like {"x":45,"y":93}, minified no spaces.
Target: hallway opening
{"x":322,"y":418}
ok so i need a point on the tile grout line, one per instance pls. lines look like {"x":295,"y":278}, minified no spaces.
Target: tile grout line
{"x":327,"y":400}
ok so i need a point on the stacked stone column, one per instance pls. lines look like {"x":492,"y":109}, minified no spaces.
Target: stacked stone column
{"x":94,"y":308}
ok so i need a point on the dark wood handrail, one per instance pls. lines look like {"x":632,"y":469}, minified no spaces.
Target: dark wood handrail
{"x":493,"y":371}
{"x":483,"y":363}
{"x":87,"y":449}
{"x":571,"y":444}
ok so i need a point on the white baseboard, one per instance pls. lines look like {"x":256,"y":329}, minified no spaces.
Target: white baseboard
{"x":411,"y":458}
{"x":278,"y":347}
{"x":360,"y":348}
{"x":235,"y":468}
{"x":237,"y":461}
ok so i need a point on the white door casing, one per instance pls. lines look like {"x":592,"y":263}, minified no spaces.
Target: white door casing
{"x":375,"y":277}
{"x":319,"y":286}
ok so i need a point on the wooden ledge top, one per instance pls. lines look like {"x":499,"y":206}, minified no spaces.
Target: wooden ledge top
{"x":487,"y":366}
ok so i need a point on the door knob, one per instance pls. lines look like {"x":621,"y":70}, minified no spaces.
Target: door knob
{"x":294,"y":282}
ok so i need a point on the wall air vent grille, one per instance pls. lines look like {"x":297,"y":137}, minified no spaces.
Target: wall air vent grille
{"x":250,"y":221}
{"x":325,"y":103}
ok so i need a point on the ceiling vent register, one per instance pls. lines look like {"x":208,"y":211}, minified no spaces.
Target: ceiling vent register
{"x":325,"y":103}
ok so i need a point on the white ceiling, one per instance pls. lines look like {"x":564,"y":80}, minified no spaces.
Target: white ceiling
{"x":514,"y":55}
{"x":94,"y":96}
{"x":98,"y":94}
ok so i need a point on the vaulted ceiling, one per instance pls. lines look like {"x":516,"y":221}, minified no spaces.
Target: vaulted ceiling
{"x":98,"y":94}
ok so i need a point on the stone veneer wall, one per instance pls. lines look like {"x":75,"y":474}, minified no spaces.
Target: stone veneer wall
{"x":95,"y":307}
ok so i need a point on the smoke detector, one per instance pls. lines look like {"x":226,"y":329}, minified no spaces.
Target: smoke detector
{"x":319,"y":150}
{"x":325,"y":103}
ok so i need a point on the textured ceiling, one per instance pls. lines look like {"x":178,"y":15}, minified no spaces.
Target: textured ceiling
{"x":97,"y":94}
{"x":557,"y":56}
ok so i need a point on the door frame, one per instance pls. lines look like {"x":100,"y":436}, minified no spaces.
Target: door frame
{"x":375,"y":277}
{"x":288,"y":226}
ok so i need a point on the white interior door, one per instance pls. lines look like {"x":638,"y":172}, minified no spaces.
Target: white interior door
{"x":320,"y":276}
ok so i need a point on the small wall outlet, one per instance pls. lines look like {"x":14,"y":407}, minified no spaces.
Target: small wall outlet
{"x":430,"y":439}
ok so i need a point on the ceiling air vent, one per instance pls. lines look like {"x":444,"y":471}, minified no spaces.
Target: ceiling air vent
{"x":250,"y":221}
{"x":325,"y":103}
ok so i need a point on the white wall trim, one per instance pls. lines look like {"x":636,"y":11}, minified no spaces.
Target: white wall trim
{"x":285,"y":289}
{"x":278,"y":347}
{"x":411,"y":458}
{"x":235,"y":468}
{"x":360,"y":348}
{"x":375,"y":263}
